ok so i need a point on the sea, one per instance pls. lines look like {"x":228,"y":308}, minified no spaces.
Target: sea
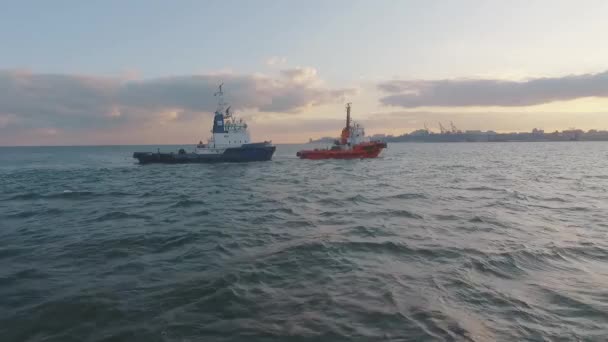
{"x":429,"y":242}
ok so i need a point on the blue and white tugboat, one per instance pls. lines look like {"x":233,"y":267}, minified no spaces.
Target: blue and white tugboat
{"x":230,"y":142}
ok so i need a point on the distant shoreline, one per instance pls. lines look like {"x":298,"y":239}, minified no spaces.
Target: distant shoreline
{"x":463,"y":141}
{"x":424,"y":136}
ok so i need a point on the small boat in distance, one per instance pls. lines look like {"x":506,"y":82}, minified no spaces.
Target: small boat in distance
{"x":230,"y":142}
{"x":352,"y":144}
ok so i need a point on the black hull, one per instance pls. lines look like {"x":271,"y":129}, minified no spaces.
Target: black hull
{"x":245,"y":153}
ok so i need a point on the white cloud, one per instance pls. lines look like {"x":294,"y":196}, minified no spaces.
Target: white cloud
{"x":492,"y":92}
{"x":73,"y":102}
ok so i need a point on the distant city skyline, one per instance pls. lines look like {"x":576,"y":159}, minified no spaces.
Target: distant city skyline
{"x":144,"y":72}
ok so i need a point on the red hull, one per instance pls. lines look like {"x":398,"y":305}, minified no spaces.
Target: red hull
{"x":364,"y":150}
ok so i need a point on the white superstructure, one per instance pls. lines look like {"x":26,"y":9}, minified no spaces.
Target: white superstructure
{"x":357,"y":135}
{"x":228,"y":131}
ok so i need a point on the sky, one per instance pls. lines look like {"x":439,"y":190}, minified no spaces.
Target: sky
{"x":144,"y":72}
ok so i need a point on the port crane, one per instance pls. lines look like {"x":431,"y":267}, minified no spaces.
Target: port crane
{"x":454,"y":129}
{"x":451,"y":130}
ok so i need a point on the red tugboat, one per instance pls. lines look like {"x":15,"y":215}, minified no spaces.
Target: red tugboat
{"x":352,"y":144}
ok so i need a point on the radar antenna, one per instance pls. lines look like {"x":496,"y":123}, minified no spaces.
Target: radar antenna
{"x":219,"y":92}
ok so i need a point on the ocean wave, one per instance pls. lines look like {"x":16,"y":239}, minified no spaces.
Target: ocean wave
{"x":33,"y":213}
{"x":25,"y":196}
{"x":66,"y":194}
{"x":573,"y":305}
{"x":201,"y":213}
{"x":488,"y":220}
{"x":368,"y":231}
{"x":187,"y":203}
{"x":118,"y":215}
{"x":484,"y":188}
{"x":402,"y":213}
{"x":407,"y":196}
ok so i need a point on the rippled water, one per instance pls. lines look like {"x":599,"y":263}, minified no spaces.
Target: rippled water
{"x":430,"y":242}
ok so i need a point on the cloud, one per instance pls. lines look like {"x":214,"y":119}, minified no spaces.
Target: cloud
{"x":276,"y":60}
{"x":37,"y":100}
{"x":41,"y":100}
{"x":489,"y":92}
{"x":300,"y":75}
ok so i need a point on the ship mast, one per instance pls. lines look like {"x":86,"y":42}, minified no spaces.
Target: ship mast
{"x":348,"y":115}
{"x":220,"y":101}
{"x":346,"y":130}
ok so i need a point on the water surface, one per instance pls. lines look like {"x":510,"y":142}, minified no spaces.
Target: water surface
{"x":430,"y":242}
